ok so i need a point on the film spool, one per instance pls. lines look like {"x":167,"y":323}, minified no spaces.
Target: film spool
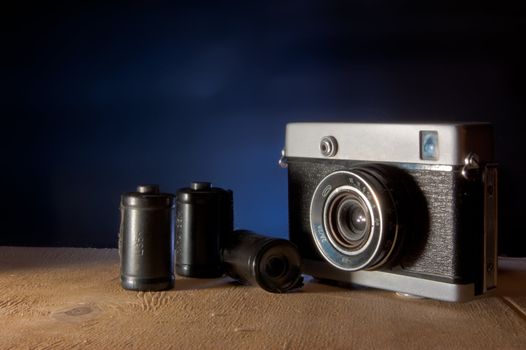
{"x":146,"y":239}
{"x":204,"y":216}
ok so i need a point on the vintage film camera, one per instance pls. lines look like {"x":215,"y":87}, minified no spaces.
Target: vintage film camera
{"x":410,"y":208}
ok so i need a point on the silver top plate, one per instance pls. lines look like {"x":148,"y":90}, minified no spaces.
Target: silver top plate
{"x":401,"y":143}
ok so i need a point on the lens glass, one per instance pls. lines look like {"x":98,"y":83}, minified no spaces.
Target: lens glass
{"x":352,"y":219}
{"x":279,"y":267}
{"x":276,"y":266}
{"x":349,"y":220}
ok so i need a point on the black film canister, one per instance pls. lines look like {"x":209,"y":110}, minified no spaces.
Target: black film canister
{"x":272,"y":263}
{"x":204,"y":215}
{"x":146,"y":239}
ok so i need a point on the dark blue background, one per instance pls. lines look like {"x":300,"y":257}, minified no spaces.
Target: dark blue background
{"x":99,"y":97}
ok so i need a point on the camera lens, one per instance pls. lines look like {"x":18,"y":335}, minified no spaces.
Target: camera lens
{"x":273,"y":264}
{"x":276,"y":266}
{"x":352,"y":220}
{"x":348,"y":220}
{"x":354,"y":217}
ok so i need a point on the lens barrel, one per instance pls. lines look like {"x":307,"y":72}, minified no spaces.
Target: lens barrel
{"x":146,"y":239}
{"x":273,"y":264}
{"x":358,"y":216}
{"x":204,"y":216}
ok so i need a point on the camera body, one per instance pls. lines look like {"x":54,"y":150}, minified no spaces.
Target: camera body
{"x":410,"y":208}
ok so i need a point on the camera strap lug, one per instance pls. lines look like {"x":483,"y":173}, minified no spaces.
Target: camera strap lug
{"x":471,"y":168}
{"x":283,"y":160}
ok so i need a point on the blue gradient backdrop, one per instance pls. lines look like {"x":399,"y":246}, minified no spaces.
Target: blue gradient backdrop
{"x":97,"y":98}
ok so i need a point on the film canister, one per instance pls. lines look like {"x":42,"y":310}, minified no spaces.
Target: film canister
{"x":146,"y":239}
{"x":273,"y":264}
{"x":204,"y":216}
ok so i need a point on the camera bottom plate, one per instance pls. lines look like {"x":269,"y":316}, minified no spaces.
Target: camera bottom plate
{"x":394,"y":282}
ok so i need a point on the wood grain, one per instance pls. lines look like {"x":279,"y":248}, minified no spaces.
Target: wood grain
{"x":66,"y":298}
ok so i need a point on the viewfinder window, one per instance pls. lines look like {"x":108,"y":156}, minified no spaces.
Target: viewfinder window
{"x":429,"y":145}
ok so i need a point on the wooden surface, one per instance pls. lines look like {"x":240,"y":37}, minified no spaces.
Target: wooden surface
{"x":54,"y":298}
